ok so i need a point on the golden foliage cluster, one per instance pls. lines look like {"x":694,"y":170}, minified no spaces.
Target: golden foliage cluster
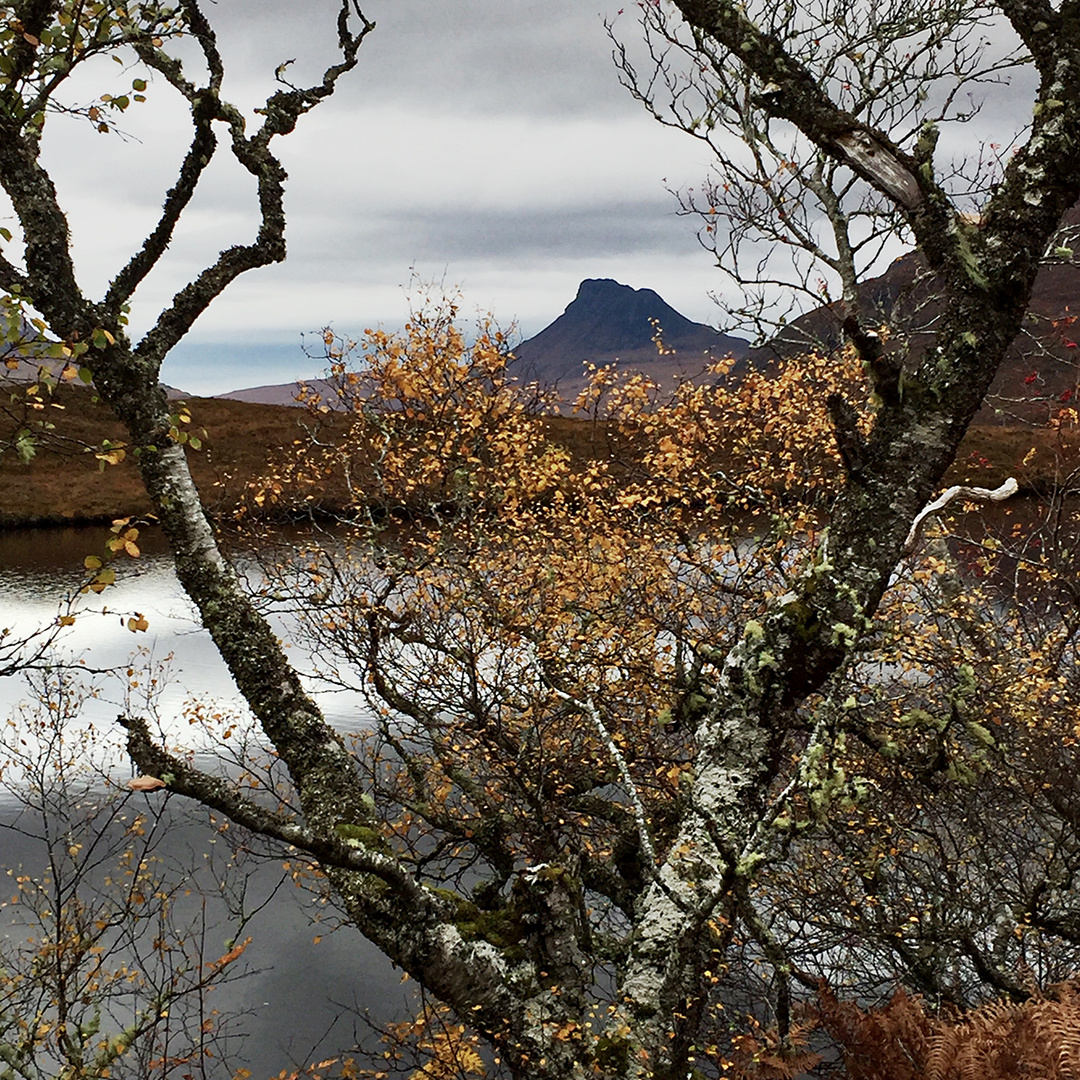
{"x":535,"y":629}
{"x":441,"y":420}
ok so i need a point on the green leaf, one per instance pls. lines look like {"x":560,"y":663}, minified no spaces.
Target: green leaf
{"x":24,"y":446}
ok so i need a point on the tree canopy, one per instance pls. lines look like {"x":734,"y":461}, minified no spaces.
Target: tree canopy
{"x":661,"y":735}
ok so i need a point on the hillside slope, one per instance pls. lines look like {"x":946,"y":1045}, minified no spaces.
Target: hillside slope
{"x":1040,"y":372}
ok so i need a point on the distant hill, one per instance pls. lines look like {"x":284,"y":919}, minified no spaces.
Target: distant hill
{"x":611,"y":323}
{"x":279,"y":393}
{"x":1040,"y":372}
{"x":605,"y":323}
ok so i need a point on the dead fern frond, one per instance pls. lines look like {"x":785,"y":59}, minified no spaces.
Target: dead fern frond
{"x":942,"y":1049}
{"x":1056,"y":1023}
{"x":765,"y":1056}
{"x":891,"y":1043}
{"x":1036,"y":1040}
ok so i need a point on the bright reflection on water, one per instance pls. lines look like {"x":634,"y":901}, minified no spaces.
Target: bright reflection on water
{"x":40,"y":567}
{"x":300,"y":996}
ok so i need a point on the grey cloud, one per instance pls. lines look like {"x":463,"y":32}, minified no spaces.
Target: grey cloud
{"x":506,"y":235}
{"x":544,"y":57}
{"x":471,"y":130}
{"x":489,"y":139}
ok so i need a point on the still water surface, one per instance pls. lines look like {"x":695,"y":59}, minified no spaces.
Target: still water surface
{"x":40,"y":567}
{"x":301,"y":994}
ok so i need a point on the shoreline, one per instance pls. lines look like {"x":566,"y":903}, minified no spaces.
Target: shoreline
{"x":63,"y":486}
{"x":1026,"y":493}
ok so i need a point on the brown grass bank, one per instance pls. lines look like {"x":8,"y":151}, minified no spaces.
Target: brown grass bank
{"x":64,"y":482}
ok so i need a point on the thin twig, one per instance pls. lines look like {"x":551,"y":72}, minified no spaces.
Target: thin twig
{"x":590,"y":710}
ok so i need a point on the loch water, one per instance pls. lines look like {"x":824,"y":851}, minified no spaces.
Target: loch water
{"x":301,"y":996}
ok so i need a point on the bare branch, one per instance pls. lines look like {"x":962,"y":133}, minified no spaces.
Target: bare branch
{"x":281,"y":111}
{"x":153,"y":760}
{"x":798,"y":97}
{"x":957,"y":491}
{"x":589,"y":709}
{"x":202,"y":149}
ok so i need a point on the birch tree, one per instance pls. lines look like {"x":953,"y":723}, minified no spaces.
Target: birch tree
{"x":578,"y":955}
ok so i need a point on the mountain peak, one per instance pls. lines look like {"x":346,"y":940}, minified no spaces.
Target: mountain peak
{"x":609,"y":289}
{"x":601,"y":284}
{"x":608,"y":320}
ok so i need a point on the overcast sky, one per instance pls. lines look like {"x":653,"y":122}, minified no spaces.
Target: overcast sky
{"x":485,"y":143}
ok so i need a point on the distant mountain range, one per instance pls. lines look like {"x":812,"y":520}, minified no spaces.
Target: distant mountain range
{"x":612,"y":323}
{"x":605,"y":323}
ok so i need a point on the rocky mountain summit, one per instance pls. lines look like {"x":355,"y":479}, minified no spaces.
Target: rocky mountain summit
{"x":612,"y":323}
{"x":605,"y":323}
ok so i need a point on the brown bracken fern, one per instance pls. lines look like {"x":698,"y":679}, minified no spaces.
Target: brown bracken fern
{"x":1036,"y":1040}
{"x":763,"y":1055}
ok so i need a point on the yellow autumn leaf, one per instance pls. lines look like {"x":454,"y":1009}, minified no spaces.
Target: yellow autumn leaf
{"x":146,"y":783}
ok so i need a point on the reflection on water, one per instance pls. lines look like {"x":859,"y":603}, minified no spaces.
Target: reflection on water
{"x":293,"y":996}
{"x":47,"y":554}
{"x":39,"y":568}
{"x":299,"y":998}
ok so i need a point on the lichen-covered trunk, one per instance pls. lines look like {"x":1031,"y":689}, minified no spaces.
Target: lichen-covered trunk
{"x":526,"y":1008}
{"x":780,"y":661}
{"x":316,"y":757}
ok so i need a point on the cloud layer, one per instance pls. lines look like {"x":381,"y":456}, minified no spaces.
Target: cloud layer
{"x":483,"y":143}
